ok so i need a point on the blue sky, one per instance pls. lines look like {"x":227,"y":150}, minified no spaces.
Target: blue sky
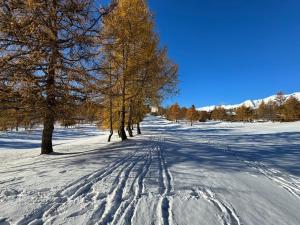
{"x":230,"y":51}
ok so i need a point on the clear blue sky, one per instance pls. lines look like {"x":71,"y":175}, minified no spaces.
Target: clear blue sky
{"x":229,"y":51}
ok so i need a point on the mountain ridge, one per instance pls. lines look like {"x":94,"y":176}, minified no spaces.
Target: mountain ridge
{"x":249,"y":103}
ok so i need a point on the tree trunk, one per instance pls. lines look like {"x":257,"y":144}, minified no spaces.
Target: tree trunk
{"x":110,"y":135}
{"x":129,"y":123}
{"x":49,"y":117}
{"x":47,"y":134}
{"x":110,"y":110}
{"x":17,"y":120}
{"x":129,"y":131}
{"x":138,"y":128}
{"x":122,"y":132}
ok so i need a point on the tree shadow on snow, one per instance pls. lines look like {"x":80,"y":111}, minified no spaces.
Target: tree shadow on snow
{"x":229,"y":152}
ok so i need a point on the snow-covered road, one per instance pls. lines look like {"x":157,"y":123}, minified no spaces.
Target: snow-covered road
{"x":211,"y":173}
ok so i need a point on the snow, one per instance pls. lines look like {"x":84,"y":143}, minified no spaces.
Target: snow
{"x":211,"y":173}
{"x":249,"y":103}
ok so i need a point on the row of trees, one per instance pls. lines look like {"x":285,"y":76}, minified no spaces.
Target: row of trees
{"x":175,"y":113}
{"x":71,"y":60}
{"x":281,"y":109}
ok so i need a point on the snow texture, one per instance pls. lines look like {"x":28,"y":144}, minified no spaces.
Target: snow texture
{"x":211,"y":173}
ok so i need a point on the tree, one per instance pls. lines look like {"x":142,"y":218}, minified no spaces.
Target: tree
{"x":244,"y":113}
{"x":219,"y":113}
{"x":192,"y":114}
{"x":141,"y":73}
{"x":173,"y":112}
{"x":45,"y":46}
{"x":291,"y":110}
{"x":262,"y":112}
{"x":280,"y":98}
{"x":272,"y":109}
{"x":121,"y":32}
{"x":203,"y":116}
{"x":182,"y":113}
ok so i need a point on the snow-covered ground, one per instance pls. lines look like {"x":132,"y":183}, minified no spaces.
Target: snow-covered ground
{"x":211,"y":173}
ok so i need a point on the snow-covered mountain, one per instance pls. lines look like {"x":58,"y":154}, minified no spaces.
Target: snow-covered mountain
{"x":249,"y":103}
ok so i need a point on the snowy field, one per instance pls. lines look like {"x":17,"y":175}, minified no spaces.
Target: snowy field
{"x":211,"y":173}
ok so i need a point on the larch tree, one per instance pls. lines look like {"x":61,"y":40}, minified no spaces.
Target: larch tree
{"x":140,"y":72}
{"x":244,"y":113}
{"x":280,"y":98}
{"x":183,"y":113}
{"x":45,"y":47}
{"x":204,"y":116}
{"x":123,"y":35}
{"x":262,"y":111}
{"x":219,"y":113}
{"x":291,"y":109}
{"x":174,"y":112}
{"x":192,"y":114}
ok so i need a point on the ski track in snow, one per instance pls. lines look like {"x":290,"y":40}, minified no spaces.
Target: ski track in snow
{"x":80,"y":188}
{"x":164,"y":206}
{"x":226,"y":214}
{"x":116,"y":194}
{"x":288,"y":182}
{"x":118,"y":206}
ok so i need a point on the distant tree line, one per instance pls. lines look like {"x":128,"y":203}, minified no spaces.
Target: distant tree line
{"x":281,"y":109}
{"x":72,"y":61}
